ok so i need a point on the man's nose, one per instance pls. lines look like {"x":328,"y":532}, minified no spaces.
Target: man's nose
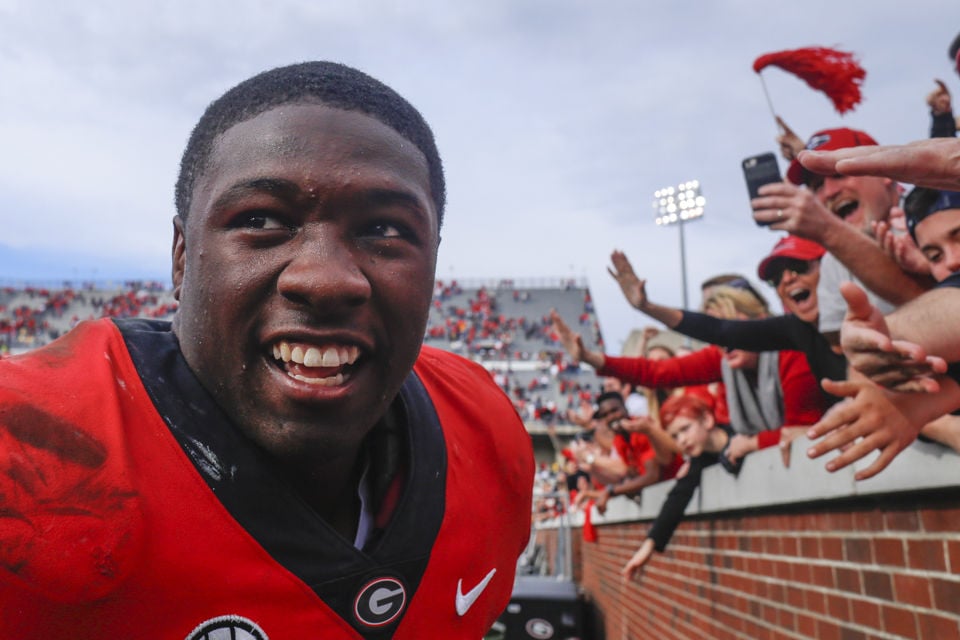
{"x":952,"y":257}
{"x":324,"y":271}
{"x":789,"y":275}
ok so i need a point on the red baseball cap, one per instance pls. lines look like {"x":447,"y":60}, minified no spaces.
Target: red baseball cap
{"x":828,"y":140}
{"x":790,"y":247}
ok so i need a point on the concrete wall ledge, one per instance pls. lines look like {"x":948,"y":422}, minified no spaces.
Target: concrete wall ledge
{"x":764,"y":482}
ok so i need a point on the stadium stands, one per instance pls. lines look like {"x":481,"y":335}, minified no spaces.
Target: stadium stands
{"x":502,"y":324}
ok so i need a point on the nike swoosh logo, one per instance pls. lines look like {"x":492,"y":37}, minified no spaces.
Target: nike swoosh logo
{"x":466,"y":600}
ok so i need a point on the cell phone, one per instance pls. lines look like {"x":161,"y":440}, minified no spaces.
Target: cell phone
{"x":759,"y":170}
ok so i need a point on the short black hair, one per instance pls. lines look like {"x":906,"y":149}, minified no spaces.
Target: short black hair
{"x":916,"y":207}
{"x":329,"y":83}
{"x":923,"y":202}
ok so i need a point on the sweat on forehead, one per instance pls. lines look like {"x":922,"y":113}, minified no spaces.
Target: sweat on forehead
{"x":327,"y":83}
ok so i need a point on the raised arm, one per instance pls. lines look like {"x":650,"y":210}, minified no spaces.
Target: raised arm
{"x":786,"y":207}
{"x":764,"y":334}
{"x":934,"y":162}
{"x":573,"y":343}
{"x":665,"y":448}
{"x":700,"y":367}
{"x":634,"y":290}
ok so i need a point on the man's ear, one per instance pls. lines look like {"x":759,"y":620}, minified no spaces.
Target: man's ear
{"x":179,"y":252}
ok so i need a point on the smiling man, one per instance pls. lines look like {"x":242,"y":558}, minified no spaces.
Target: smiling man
{"x":839,"y":213}
{"x":285,"y":460}
{"x":933,"y":220}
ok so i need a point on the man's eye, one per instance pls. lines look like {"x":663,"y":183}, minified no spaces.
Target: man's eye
{"x":260,"y":220}
{"x":386,"y":230}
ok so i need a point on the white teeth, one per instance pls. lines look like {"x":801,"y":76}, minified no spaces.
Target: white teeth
{"x":332,"y":381}
{"x":312,"y":358}
{"x":297,"y":355}
{"x":331,"y":358}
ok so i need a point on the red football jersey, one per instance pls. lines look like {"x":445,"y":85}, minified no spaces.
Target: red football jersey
{"x":129,"y":508}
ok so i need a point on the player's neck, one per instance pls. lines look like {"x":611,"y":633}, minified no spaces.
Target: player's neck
{"x":330,"y":488}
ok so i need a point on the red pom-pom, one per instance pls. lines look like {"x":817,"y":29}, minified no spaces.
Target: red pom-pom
{"x":835,"y":73}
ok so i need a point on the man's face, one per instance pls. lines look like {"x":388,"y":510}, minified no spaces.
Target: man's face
{"x":611,"y":412}
{"x":796,"y":283}
{"x":858,"y":200}
{"x":304,"y":273}
{"x":938,"y":236}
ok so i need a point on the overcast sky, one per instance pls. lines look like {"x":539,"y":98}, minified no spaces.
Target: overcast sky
{"x":556,"y":120}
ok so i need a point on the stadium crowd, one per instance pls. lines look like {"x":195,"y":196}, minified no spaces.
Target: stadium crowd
{"x":517,"y":344}
{"x":32,"y":316}
{"x":858,"y":362}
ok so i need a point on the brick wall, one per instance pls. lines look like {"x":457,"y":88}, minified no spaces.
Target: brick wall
{"x":788,"y":553}
{"x":866,"y":568}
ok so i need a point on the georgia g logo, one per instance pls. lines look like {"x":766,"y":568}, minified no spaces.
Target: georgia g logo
{"x":380,"y":602}
{"x":816,"y":141}
{"x":233,"y":627}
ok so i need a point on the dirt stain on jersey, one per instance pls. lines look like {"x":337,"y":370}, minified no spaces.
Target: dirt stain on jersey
{"x":42,"y":430}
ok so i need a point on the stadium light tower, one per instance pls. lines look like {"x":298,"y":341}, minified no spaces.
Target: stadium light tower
{"x":679,"y":205}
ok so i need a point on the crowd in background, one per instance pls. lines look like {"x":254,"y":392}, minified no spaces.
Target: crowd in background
{"x":867,"y":258}
{"x":31,"y":316}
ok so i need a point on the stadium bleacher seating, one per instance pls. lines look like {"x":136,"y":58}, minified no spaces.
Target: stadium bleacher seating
{"x":502,"y":324}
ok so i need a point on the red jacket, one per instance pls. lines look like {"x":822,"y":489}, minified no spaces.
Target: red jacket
{"x":802,"y":399}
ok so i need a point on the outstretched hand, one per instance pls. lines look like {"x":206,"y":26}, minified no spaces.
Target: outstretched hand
{"x":892,"y":236}
{"x":572,"y":342}
{"x":939,"y":99}
{"x":871,"y":420}
{"x":633,"y":288}
{"x":634,"y":567}
{"x":869,"y":348}
{"x":933,"y":162}
{"x":739,"y":446}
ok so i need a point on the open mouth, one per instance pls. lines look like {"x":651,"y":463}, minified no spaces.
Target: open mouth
{"x":327,"y":365}
{"x":799,"y":295}
{"x":845,"y":208}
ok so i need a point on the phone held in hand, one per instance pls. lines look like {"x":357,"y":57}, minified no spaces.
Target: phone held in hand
{"x":759,"y":170}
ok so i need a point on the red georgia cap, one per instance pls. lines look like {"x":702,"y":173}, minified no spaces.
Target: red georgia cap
{"x":828,"y":140}
{"x":791,"y":247}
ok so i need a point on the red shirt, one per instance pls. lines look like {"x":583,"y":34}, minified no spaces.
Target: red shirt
{"x":803,"y":402}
